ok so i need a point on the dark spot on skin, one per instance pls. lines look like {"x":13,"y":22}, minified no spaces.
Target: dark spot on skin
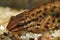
{"x":46,"y":27}
{"x":31,"y":38}
{"x":44,"y":14}
{"x":54,"y":7}
{"x":25,"y":23}
{"x":39,"y":11}
{"x":38,"y":24}
{"x":32,"y":14}
{"x":53,"y":20}
{"x":52,"y":10}
{"x":28,"y":22}
{"x":40,"y":16}
{"x":58,"y":21}
{"x":11,"y":37}
{"x":57,"y":14}
{"x":45,"y":9}
{"x":43,"y":30}
{"x":48,"y":23}
{"x":37,"y":28}
{"x":26,"y":17}
{"x":34,"y":19}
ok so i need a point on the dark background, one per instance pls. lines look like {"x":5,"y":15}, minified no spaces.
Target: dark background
{"x":25,"y":4}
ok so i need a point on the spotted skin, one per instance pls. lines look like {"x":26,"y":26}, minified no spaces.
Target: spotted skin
{"x":37,"y":20}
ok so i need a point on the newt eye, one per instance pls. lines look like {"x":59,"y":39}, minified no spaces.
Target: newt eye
{"x":20,"y":25}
